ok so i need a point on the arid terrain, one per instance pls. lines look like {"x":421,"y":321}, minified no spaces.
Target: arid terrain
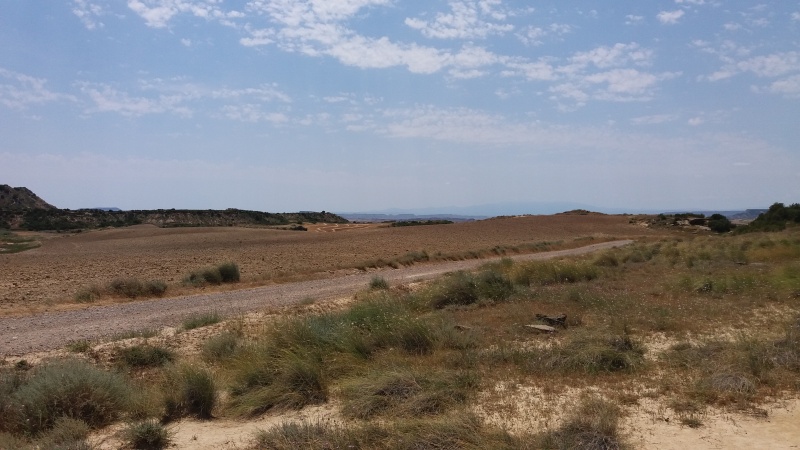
{"x":50,"y":276}
{"x":349,"y":336}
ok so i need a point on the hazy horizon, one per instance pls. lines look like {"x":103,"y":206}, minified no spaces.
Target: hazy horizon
{"x":369,"y":105}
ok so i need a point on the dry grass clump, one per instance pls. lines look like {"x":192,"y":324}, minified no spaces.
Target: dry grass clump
{"x":122,"y":287}
{"x":737,"y":372}
{"x":147,"y":435}
{"x":406,"y":393}
{"x":144,"y":355}
{"x":460,"y":430}
{"x":201,"y":320}
{"x":189,"y":391}
{"x":587,"y":353}
{"x":592,"y":425}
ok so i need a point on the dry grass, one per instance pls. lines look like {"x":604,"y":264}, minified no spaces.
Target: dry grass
{"x":409,"y":368}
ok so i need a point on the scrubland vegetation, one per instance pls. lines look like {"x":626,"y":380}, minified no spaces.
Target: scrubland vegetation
{"x":692,"y":322}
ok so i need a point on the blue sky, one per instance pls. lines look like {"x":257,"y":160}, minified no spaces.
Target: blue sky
{"x":361,"y":105}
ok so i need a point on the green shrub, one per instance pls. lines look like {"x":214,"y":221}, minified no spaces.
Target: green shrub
{"x":459,"y":288}
{"x":201,"y":320}
{"x":128,"y":287}
{"x":189,"y":390}
{"x":223,"y":273}
{"x":155,"y":288}
{"x":133,"y":288}
{"x":289,"y":378}
{"x":144,"y":355}
{"x":203,"y":277}
{"x":68,"y":388}
{"x":229,"y":272}
{"x":147,"y":435}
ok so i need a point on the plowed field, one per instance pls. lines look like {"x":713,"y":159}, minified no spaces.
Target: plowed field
{"x":48,"y":277}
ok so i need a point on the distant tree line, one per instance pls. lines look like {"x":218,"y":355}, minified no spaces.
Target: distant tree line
{"x":776,"y":218}
{"x":414,"y":223}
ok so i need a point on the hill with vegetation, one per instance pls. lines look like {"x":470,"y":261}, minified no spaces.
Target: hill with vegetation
{"x":21,"y":209}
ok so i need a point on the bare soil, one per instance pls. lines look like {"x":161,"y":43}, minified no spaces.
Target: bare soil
{"x":48,"y":277}
{"x":51,"y":330}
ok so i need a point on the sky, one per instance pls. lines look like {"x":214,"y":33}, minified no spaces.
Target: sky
{"x":366,"y":105}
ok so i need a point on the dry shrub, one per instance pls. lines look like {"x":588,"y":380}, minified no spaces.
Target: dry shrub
{"x":592,"y":425}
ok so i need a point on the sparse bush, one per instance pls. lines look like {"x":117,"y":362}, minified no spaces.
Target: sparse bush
{"x":201,"y":320}
{"x":67,"y":434}
{"x":229,"y":272}
{"x":543,"y":273}
{"x":189,"y":390}
{"x":128,"y":287}
{"x":404,"y":394}
{"x":221,"y":346}
{"x":289,"y":378}
{"x":147,"y":435}
{"x":378,"y":283}
{"x":593,"y":425}
{"x":80,"y":346}
{"x":155,"y":288}
{"x":88,"y":294}
{"x":144,"y":355}
{"x":67,"y":388}
{"x":223,"y":273}
{"x":461,"y":430}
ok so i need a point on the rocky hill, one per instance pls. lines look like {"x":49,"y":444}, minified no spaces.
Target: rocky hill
{"x":17,"y":198}
{"x":21,"y":209}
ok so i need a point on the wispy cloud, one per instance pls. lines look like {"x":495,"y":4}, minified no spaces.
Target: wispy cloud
{"x":20,"y":91}
{"x":670,"y":17}
{"x":88,"y":12}
{"x":466,"y":20}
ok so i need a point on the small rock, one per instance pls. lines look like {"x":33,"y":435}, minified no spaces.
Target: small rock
{"x":542,"y":328}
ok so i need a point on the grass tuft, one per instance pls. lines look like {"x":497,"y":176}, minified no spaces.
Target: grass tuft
{"x":201,"y":320}
{"x":147,"y":435}
{"x":144,"y":355}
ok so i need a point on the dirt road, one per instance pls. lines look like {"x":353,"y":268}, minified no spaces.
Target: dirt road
{"x":47,"y":331}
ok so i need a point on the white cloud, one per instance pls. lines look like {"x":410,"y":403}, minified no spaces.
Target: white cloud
{"x":20,"y":91}
{"x":468,"y":19}
{"x":253,"y":113}
{"x":158,"y":13}
{"x":632,"y":19}
{"x":670,"y":17}
{"x":795,"y":16}
{"x":788,"y":87}
{"x":605,"y":57}
{"x":696,"y":121}
{"x":108,"y":99}
{"x":88,"y":13}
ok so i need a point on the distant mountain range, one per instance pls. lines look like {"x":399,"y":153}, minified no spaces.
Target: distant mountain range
{"x":477,"y":212}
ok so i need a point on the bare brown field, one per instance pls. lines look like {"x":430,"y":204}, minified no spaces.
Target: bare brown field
{"x":49,"y":276}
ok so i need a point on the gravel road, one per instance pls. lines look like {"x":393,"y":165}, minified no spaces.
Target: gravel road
{"x":52,"y":330}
